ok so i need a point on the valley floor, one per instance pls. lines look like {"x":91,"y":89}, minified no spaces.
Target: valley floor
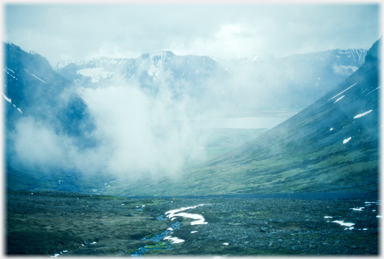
{"x":73,"y":224}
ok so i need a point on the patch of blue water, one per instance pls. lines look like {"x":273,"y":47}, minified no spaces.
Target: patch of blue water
{"x":157,"y":238}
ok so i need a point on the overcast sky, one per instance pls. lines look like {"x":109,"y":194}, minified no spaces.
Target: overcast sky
{"x":73,"y":32}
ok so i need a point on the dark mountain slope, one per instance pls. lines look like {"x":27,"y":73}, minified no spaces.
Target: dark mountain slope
{"x":33,"y":91}
{"x":331,"y":146}
{"x":31,"y":85}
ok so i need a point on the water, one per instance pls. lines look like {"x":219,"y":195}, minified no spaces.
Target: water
{"x":166,"y":235}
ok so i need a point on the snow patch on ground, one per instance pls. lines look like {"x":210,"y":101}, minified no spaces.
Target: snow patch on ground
{"x":174,"y":240}
{"x":349,"y":225}
{"x":199,"y":219}
{"x":345,"y":141}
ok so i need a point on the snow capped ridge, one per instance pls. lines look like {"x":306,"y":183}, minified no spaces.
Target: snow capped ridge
{"x":96,"y":74}
{"x":62,"y":64}
{"x":102,"y":62}
{"x":158,"y":54}
{"x":94,"y":62}
{"x":358,"y":55}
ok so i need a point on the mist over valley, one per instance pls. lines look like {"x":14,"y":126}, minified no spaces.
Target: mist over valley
{"x":149,"y":119}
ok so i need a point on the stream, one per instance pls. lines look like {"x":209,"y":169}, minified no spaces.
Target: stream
{"x":161,"y":239}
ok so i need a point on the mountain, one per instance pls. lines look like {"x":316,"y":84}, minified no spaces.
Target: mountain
{"x":246,"y":84}
{"x":37,"y":96}
{"x":52,"y":136}
{"x":33,"y":88}
{"x":182,"y":74}
{"x":296,"y":81}
{"x":331,"y":146}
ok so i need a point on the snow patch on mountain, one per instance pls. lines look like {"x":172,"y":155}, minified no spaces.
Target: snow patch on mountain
{"x":7,"y":99}
{"x":343,"y":91}
{"x":344,"y":70}
{"x":156,"y":60}
{"x":357,"y":54}
{"x":362,"y":114}
{"x":35,"y":76}
{"x":339,"y":99}
{"x":10,"y":74}
{"x":96,"y":62}
{"x":153,"y":71}
{"x":372,"y":91}
{"x":38,"y":78}
{"x":10,"y":101}
{"x":96,"y":74}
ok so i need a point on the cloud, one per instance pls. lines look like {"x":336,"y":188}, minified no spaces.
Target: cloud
{"x":81,"y":31}
{"x":138,"y":136}
{"x":36,"y":144}
{"x":229,"y":41}
{"x":145,"y":135}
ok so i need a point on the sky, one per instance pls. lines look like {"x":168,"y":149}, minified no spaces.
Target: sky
{"x":63,"y":32}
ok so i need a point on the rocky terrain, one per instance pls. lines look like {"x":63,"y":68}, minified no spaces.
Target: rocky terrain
{"x":73,"y":224}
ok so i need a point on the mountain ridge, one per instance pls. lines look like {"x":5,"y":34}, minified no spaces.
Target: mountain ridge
{"x":290,"y":82}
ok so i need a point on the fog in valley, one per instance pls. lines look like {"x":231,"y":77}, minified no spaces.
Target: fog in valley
{"x":138,"y":133}
{"x":157,"y":122}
